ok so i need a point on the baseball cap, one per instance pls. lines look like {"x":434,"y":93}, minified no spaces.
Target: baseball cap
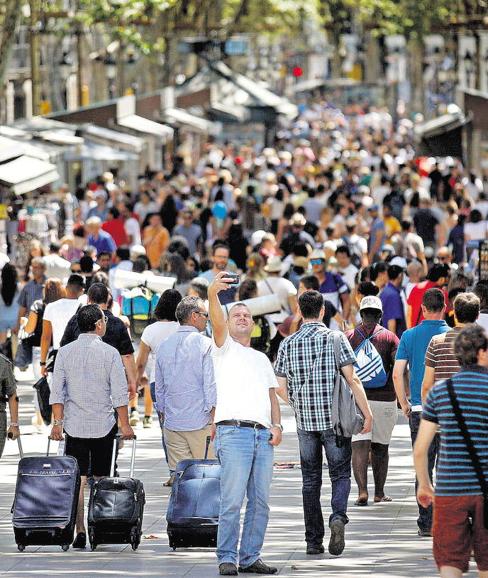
{"x":399,"y":262}
{"x":298,"y":220}
{"x":371,"y":302}
{"x":273,"y":265}
{"x":317,"y":254}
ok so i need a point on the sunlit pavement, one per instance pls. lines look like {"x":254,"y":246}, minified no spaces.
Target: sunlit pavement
{"x":381,"y":540}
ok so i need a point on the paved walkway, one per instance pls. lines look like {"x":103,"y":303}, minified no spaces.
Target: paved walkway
{"x":381,"y":539}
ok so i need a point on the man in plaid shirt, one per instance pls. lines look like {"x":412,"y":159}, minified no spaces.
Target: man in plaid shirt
{"x":306,"y":371}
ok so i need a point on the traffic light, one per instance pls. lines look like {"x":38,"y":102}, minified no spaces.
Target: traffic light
{"x":297,"y":71}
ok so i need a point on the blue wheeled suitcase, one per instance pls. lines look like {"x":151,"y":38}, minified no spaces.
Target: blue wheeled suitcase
{"x":193,"y":509}
{"x":116,"y":507}
{"x":46,"y":500}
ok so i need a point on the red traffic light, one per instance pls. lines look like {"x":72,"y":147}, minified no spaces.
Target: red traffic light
{"x":297,"y":71}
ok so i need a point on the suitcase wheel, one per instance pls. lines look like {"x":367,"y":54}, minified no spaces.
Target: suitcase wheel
{"x":91,"y":537}
{"x":65,"y":547}
{"x":20,"y":547}
{"x":135,"y":538}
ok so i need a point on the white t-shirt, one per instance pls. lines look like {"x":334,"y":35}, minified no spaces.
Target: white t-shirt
{"x":349,"y":274}
{"x":57,"y":267}
{"x":133,"y":230}
{"x":476,"y":231}
{"x":283,"y":288}
{"x":243,"y":377}
{"x":153,"y":336}
{"x":59,"y":313}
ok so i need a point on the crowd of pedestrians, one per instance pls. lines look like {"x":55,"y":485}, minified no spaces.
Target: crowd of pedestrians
{"x":370,"y":256}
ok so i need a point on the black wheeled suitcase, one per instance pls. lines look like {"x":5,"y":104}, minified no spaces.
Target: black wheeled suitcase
{"x":116,"y":507}
{"x":193,"y":509}
{"x":46,"y":500}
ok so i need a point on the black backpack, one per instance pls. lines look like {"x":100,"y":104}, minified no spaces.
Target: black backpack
{"x":262,"y":335}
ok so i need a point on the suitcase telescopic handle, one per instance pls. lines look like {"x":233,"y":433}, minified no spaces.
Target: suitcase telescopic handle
{"x":19,"y":443}
{"x":132,"y":458}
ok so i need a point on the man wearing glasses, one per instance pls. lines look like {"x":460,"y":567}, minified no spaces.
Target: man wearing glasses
{"x":89,"y":382}
{"x":185,"y":384}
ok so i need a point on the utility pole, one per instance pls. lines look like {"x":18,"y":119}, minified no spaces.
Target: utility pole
{"x":35,"y":54}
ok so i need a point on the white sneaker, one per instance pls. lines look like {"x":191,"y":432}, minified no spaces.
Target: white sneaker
{"x":134,"y":418}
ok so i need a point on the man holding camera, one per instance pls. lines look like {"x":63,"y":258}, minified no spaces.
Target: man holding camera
{"x":247,"y":426}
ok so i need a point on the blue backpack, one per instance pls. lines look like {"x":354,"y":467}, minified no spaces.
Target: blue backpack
{"x":369,"y":364}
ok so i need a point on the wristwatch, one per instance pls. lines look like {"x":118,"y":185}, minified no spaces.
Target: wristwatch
{"x":278,"y":425}
{"x":14,"y":424}
{"x":42,"y":363}
{"x":58,"y":422}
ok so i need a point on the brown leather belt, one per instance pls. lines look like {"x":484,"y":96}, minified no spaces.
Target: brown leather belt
{"x":241,"y":423}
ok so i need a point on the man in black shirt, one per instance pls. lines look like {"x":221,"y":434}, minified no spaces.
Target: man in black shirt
{"x":116,"y":335}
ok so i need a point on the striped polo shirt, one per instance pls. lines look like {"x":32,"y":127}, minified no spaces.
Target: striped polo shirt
{"x":455,"y":474}
{"x":440,"y":355}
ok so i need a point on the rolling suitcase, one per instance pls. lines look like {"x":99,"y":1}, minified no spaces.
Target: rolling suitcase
{"x":46,"y":500}
{"x":116,"y":507}
{"x":193,"y":509}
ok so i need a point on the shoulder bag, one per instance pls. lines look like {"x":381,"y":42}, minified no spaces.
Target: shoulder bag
{"x":347,"y":419}
{"x":473,"y":454}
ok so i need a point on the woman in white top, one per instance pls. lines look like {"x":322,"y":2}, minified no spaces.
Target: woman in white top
{"x":151,"y":338}
{"x":477,"y":228}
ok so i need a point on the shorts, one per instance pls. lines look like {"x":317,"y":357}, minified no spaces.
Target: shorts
{"x":385,"y":415}
{"x":93,"y":455}
{"x":458,"y":530}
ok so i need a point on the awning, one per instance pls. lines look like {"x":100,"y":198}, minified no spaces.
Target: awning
{"x":10,"y":149}
{"x":179,"y":116}
{"x":146,"y":126}
{"x":256,"y":90}
{"x":442,"y":136}
{"x":316,"y":83}
{"x":25,"y":174}
{"x":113,"y":138}
{"x":95,"y":152}
{"x":221,"y":111}
{"x":60,"y":137}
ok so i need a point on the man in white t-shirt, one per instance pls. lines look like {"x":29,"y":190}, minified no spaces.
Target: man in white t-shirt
{"x":57,"y":315}
{"x":247,"y":426}
{"x":284,"y":289}
{"x":131,"y":225}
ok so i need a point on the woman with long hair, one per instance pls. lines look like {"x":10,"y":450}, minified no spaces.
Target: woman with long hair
{"x":9,"y":293}
{"x":35,"y":250}
{"x":173,"y":265}
{"x":164,"y":326}
{"x":53,"y":290}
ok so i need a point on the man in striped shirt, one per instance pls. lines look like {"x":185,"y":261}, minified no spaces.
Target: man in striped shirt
{"x":458,"y":525}
{"x":440,"y":360}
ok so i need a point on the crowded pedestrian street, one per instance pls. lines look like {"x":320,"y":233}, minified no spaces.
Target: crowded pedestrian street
{"x":243,"y":288}
{"x":382,"y":538}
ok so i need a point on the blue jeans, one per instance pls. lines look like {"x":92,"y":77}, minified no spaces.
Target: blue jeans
{"x":339,"y":461}
{"x":424,"y":521}
{"x":246,"y":460}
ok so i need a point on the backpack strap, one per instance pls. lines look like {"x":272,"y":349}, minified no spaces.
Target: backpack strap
{"x":473,"y":454}
{"x":336,"y":336}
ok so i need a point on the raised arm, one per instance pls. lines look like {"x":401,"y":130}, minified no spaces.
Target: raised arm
{"x":217,"y":318}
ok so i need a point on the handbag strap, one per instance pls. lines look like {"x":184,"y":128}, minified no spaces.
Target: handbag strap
{"x":473,"y":454}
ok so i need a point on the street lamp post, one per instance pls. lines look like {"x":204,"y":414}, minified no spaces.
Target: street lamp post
{"x":111,"y":68}
{"x":65,"y":68}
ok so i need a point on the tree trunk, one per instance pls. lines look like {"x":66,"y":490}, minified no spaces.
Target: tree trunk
{"x":416,"y":53}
